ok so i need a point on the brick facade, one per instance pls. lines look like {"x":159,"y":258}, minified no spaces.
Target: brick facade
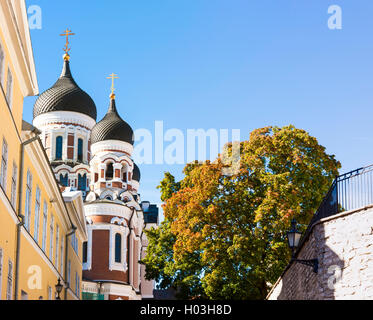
{"x":100,"y":260}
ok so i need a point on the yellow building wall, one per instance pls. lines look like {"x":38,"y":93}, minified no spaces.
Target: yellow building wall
{"x":32,"y":253}
{"x":10,"y":124}
{"x":17,"y":99}
{"x":7,"y":243}
{"x":34,"y":263}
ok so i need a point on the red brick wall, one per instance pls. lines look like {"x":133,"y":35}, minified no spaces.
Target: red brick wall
{"x":70,"y":146}
{"x":117,"y":173}
{"x":117,"y":184}
{"x":100,"y":259}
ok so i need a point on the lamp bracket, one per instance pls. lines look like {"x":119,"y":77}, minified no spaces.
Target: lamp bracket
{"x":314,"y":263}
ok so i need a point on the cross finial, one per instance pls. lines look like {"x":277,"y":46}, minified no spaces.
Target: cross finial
{"x":67,"y":34}
{"x":113,"y":76}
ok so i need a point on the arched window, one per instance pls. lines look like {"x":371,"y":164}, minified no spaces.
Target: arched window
{"x":109,"y":171}
{"x":64,"y":179}
{"x":59,"y":141}
{"x":82,"y":182}
{"x":125,"y":176}
{"x":80,"y":150}
{"x":118,"y":248}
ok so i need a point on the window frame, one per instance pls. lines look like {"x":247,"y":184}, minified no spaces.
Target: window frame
{"x":9,"y":88}
{"x":61,"y":258}
{"x":69,"y":272}
{"x":2,"y":65}
{"x":118,"y":247}
{"x":111,"y":177}
{"x":13,"y":195}
{"x":82,"y":182}
{"x":45,"y":223}
{"x":51,"y":239}
{"x":37,"y":213}
{"x":9,"y":286}
{"x":57,"y":246}
{"x":64,"y":179}
{"x":59,"y":148}
{"x":4,"y":164}
{"x":85,"y":252}
{"x":28,"y":200}
{"x":80,"y":153}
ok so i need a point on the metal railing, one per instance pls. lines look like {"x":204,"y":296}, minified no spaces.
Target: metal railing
{"x":349,"y":191}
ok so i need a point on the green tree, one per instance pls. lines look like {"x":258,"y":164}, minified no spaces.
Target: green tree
{"x":224,"y":237}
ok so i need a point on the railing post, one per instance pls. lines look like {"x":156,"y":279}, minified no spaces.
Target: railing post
{"x":336,"y":191}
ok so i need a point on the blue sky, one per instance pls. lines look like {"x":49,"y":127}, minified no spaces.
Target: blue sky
{"x":220,"y":64}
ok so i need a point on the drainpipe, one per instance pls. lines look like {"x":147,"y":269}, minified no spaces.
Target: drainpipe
{"x":67,"y":282}
{"x":20,"y":216}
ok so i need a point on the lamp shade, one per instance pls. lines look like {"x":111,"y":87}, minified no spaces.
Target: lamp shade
{"x":293,"y":236}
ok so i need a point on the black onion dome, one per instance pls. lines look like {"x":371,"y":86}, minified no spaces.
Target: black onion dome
{"x":136,"y":175}
{"x":65,"y":95}
{"x":112,"y":127}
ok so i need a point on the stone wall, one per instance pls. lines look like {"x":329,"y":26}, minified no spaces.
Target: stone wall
{"x":343,"y":245}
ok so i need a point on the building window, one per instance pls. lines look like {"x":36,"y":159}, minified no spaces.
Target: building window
{"x":64,"y":180}
{"x":74,"y":243}
{"x":77,"y":284}
{"x":69,"y":272}
{"x":59,"y":142}
{"x":28,"y":200}
{"x":82,"y":182}
{"x":80,"y":150}
{"x":57,"y":245}
{"x":9,"y":286}
{"x":14,"y":186}
{"x":2,"y":62}
{"x":37,"y":214}
{"x":85,"y":251}
{"x":9,"y":88}
{"x":109,"y":171}
{"x":62,"y":247}
{"x":118,"y":248}
{"x":45,"y":219}
{"x":1,"y":269}
{"x":4,"y":165}
{"x":125,"y":177}
{"x":51,"y":239}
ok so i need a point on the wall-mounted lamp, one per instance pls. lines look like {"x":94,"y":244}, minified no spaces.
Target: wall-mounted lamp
{"x":294,"y":237}
{"x":59,"y":288}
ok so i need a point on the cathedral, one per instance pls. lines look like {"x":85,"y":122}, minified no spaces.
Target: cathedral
{"x":96,"y":159}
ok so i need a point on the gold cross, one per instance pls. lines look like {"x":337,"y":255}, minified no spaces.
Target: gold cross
{"x":67,"y":34}
{"x":112,"y":77}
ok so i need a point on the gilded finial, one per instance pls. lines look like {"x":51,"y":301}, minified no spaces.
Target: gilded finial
{"x":67,"y":33}
{"x":113,"y":76}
